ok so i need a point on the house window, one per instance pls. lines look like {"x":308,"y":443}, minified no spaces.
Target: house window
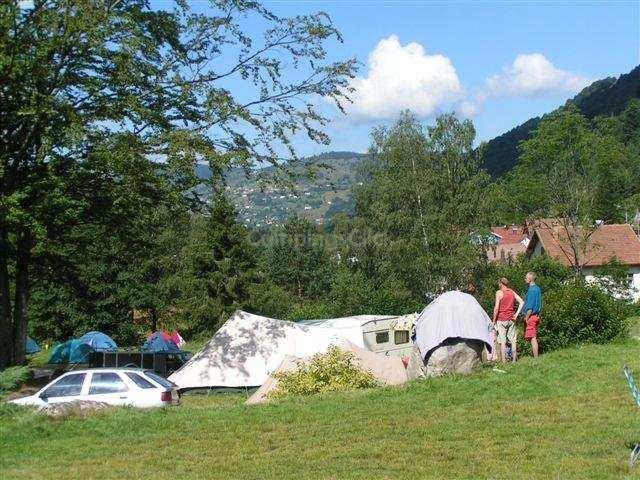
{"x":401,"y":336}
{"x":630,"y":279}
{"x":382,"y":337}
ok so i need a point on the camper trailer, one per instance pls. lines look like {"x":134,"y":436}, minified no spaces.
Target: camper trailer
{"x":390,"y":336}
{"x":384,"y":335}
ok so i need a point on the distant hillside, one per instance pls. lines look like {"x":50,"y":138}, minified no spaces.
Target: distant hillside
{"x":322,"y":186}
{"x":603,"y":97}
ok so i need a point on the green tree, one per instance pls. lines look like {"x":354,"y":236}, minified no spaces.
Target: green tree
{"x":297,"y":259}
{"x":218,"y":267}
{"x":425,"y":199}
{"x":79,"y":75}
{"x":92,"y":270}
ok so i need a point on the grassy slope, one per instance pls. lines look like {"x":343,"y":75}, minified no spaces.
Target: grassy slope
{"x":569,"y":415}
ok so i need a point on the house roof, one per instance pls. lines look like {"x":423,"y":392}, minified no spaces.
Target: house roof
{"x":604,"y":244}
{"x":509,"y":234}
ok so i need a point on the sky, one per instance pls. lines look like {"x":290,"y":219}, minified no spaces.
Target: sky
{"x":495,"y":62}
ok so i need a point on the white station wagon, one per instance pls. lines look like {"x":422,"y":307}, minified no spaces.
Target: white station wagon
{"x":113,"y":386}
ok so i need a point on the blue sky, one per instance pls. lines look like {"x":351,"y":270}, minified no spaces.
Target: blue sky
{"x":496,"y":62}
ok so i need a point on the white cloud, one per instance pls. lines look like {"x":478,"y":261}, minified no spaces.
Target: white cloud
{"x":403,"y":77}
{"x":468,"y":109}
{"x":533,"y":74}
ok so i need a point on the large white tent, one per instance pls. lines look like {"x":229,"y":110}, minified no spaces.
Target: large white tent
{"x":248,"y":347}
{"x":451,"y":315}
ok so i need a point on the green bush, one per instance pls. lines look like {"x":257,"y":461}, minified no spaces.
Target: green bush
{"x":269,"y":299}
{"x":551,"y":276}
{"x":13,"y":377}
{"x":580,"y":313}
{"x":332,"y":371}
{"x":354,"y":294}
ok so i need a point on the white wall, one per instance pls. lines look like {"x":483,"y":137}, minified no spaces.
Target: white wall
{"x":635,"y":281}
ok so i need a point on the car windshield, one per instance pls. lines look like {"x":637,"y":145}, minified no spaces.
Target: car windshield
{"x":162,"y":381}
{"x":67,"y":386}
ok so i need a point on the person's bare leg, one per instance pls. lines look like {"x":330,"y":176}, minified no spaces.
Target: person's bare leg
{"x":514,"y":350}
{"x":534,"y":346}
{"x":503,"y":352}
{"x":494,"y":355}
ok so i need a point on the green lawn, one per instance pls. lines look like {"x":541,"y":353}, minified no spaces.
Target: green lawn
{"x":569,"y":415}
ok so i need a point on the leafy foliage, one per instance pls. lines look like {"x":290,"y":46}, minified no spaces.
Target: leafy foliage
{"x":215,"y":269}
{"x":11,"y":378}
{"x":298,"y":260}
{"x":332,"y":371}
{"x":578,"y":313}
{"x":424,"y":199}
{"x":94,"y":95}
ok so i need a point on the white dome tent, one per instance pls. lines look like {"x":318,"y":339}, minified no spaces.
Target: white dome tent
{"x":451,"y":315}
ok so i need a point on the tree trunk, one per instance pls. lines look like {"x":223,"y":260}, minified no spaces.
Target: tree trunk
{"x":6,"y":327}
{"x":23,"y":257}
{"x":153,"y":313}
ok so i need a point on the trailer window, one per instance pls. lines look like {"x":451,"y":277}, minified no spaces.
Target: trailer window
{"x":401,"y":336}
{"x":382,"y":337}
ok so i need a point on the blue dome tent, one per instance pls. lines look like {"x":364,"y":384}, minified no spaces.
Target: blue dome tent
{"x":158,"y":343}
{"x":71,"y":351}
{"x":31,"y":346}
{"x":99,"y":341}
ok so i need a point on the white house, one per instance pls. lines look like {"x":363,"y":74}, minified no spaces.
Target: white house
{"x":606,"y":243}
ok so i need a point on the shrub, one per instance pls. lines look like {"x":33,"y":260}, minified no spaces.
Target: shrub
{"x":13,"y":377}
{"x":551,"y":275}
{"x":332,"y":371}
{"x":579,"y":313}
{"x":269,"y":299}
{"x":353,"y":294}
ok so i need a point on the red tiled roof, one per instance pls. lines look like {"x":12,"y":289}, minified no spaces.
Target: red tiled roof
{"x":605,"y":243}
{"x":509,"y":234}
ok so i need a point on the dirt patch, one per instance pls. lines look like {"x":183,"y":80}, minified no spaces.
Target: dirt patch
{"x":78,"y":408}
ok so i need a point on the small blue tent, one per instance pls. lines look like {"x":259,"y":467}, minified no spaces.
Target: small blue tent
{"x":71,"y":351}
{"x":31,"y":347}
{"x":101,"y":342}
{"x":158,"y":343}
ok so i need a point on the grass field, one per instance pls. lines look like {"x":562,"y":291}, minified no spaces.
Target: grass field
{"x":568,"y":415}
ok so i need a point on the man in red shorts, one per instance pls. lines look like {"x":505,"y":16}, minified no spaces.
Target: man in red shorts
{"x":532,"y":308}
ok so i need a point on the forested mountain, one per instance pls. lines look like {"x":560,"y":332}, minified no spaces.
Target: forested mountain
{"x":603,"y":97}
